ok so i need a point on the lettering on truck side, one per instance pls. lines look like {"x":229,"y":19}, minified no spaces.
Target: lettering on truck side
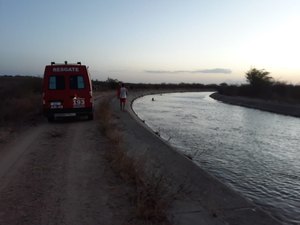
{"x":65,"y":69}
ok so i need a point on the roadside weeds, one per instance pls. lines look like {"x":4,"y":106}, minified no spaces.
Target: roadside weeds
{"x":152,"y":197}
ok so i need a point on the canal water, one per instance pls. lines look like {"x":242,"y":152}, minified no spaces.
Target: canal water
{"x":256,"y":153}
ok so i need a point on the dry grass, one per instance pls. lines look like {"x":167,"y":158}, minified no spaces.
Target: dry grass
{"x":152,"y":198}
{"x":15,"y":110}
{"x":21,"y":99}
{"x":21,"y":103}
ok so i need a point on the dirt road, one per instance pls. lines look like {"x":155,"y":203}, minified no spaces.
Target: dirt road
{"x":57,"y":174}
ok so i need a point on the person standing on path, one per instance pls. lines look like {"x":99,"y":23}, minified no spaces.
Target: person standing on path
{"x":123,"y":96}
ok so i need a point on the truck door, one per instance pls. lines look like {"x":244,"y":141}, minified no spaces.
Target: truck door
{"x":79,"y":92}
{"x":57,"y":92}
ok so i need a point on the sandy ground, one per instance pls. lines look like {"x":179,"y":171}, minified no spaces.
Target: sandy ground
{"x":57,"y":174}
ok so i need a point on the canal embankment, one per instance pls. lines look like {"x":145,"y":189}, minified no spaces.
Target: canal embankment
{"x":201,"y":199}
{"x":265,"y":105}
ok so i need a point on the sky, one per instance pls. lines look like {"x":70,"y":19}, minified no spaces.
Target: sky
{"x":153,"y":41}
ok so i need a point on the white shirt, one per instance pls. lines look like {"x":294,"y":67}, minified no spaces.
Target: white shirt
{"x":123,"y":92}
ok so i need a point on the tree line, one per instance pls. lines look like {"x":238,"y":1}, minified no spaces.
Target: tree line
{"x":113,"y":84}
{"x":261,"y":85}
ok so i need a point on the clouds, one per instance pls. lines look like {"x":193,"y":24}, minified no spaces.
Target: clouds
{"x":217,"y":70}
{"x":214,"y":71}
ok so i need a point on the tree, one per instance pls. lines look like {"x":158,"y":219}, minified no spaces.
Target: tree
{"x":260,"y":82}
{"x":258,"y":78}
{"x":112,"y":83}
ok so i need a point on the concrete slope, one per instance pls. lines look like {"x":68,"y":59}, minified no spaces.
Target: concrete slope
{"x":206,"y":200}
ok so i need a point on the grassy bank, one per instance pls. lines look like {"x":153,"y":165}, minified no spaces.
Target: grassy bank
{"x":151,"y":197}
{"x":21,"y":103}
{"x":21,"y":99}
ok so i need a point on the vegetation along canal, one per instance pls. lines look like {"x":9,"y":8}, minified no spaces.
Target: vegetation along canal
{"x":256,"y":153}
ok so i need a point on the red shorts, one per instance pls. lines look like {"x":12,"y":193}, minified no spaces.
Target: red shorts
{"x":122,"y":100}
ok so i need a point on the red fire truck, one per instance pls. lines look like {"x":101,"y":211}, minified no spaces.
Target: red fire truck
{"x":67,"y":91}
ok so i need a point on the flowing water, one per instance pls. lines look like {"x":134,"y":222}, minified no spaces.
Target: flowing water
{"x":256,"y":153}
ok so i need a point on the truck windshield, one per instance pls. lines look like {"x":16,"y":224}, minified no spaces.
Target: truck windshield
{"x":76,"y":82}
{"x":56,"y":83}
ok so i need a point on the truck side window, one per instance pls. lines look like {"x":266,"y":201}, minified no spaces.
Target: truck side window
{"x":77,"y":82}
{"x":56,"y":83}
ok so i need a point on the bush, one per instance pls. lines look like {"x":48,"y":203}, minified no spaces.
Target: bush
{"x":230,"y":90}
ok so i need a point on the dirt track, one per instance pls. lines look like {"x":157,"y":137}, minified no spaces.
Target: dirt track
{"x":57,"y":174}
